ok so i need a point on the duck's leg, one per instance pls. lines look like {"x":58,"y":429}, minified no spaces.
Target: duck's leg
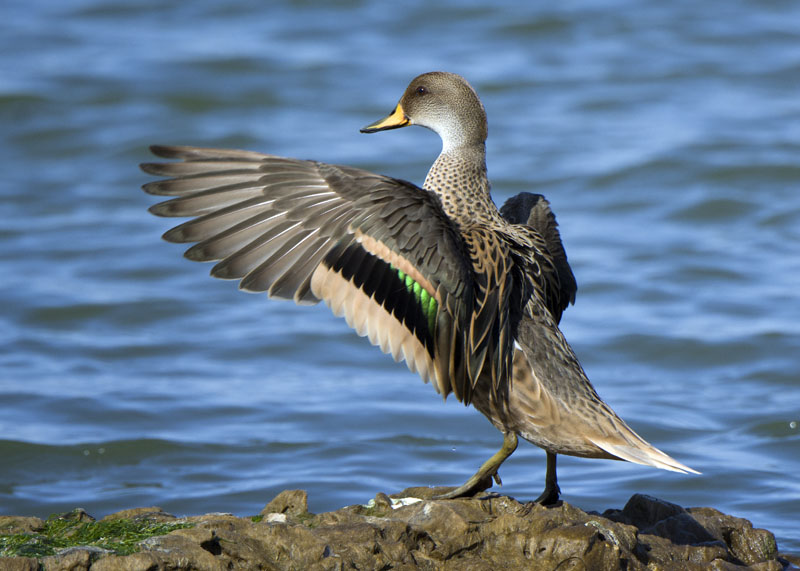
{"x":551,"y":490}
{"x":479,"y":481}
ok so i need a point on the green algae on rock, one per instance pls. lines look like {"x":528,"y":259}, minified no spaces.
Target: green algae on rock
{"x":117,"y":534}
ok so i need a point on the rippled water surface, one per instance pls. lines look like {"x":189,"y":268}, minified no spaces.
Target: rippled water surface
{"x":667,"y":139}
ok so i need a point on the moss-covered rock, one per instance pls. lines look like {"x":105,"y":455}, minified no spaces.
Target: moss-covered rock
{"x":76,"y":536}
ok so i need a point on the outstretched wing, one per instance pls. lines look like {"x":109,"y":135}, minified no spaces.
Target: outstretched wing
{"x":379,"y":251}
{"x":534,"y":211}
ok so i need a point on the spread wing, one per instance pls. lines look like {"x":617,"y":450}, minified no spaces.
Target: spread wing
{"x":379,"y":251}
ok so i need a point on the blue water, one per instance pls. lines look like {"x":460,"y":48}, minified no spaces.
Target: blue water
{"x":667,"y":138}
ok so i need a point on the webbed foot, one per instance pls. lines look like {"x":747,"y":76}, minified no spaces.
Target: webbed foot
{"x":482,"y":479}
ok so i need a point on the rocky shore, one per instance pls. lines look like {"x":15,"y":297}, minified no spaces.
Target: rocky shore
{"x":407,"y":531}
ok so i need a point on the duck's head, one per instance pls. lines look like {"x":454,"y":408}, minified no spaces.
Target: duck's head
{"x":443,"y":102}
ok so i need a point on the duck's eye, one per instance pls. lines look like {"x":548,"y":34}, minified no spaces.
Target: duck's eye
{"x":421,"y":90}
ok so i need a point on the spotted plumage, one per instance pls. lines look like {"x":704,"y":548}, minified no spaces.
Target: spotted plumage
{"x":468,"y":296}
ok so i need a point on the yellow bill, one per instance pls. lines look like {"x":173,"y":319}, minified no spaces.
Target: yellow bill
{"x":394,"y":120}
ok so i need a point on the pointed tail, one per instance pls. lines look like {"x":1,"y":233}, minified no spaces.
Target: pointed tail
{"x":641,"y":452}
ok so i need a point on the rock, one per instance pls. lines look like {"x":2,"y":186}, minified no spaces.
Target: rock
{"x":149,"y":562}
{"x":198,"y":545}
{"x":10,"y":525}
{"x":289,"y":502}
{"x":382,"y":502}
{"x":154,"y":514}
{"x":68,"y":560}
{"x":401,"y":533}
{"x":753,"y":545}
{"x":78,"y":515}
{"x":134,"y":562}
{"x":19,"y":564}
{"x":704,"y":535}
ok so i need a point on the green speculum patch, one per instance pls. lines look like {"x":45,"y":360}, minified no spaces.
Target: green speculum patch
{"x":425,"y":300}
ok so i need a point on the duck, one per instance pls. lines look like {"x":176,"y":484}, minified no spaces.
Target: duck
{"x":468,"y":295}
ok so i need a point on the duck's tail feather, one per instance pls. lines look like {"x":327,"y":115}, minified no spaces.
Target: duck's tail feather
{"x":643,"y":453}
